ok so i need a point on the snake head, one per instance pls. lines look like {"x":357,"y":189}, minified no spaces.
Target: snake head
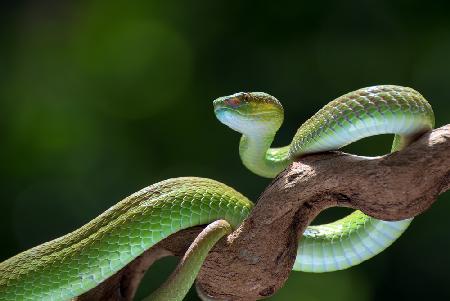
{"x":249,"y":112}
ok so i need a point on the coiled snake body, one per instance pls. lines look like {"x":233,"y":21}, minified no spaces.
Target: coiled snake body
{"x":72,"y":264}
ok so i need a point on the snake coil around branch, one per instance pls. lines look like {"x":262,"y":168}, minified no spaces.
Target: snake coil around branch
{"x":420,"y":172}
{"x":86,"y":258}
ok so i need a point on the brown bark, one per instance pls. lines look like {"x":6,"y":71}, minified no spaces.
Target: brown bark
{"x":255,"y":260}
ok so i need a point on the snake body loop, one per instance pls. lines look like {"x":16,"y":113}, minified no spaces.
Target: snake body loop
{"x":72,"y":264}
{"x":362,"y":113}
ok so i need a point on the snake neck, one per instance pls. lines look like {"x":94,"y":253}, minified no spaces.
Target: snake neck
{"x":259,"y":158}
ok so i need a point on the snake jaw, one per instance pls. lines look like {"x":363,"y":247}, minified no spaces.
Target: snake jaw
{"x":227,"y":117}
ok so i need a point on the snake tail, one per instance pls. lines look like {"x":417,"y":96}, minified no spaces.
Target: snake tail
{"x":181,"y":280}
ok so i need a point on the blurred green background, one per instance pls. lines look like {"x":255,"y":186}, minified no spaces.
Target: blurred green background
{"x":101,"y":98}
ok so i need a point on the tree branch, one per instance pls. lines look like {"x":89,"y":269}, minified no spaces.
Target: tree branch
{"x":256,"y":259}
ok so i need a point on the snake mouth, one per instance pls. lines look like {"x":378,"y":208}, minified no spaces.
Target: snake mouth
{"x":226,"y":109}
{"x":219,"y":109}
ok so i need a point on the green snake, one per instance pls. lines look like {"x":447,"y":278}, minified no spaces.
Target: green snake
{"x":75,"y":263}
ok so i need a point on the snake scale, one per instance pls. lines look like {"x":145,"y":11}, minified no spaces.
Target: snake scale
{"x":70,"y":265}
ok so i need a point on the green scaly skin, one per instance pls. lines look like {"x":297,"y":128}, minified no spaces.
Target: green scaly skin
{"x":362,"y":113}
{"x":73,"y":264}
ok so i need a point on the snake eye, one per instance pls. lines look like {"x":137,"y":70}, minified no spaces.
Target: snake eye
{"x":233,"y":102}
